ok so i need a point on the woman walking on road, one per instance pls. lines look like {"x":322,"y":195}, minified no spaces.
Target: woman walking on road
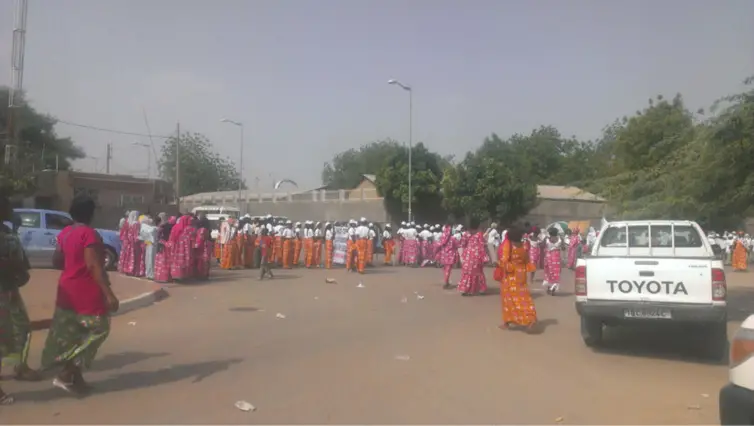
{"x":515,"y":264}
{"x":14,"y":322}
{"x":474,"y":258}
{"x":85,"y":300}
{"x":447,"y":253}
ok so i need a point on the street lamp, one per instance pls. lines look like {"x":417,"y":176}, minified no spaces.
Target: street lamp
{"x":240,"y":161}
{"x":410,"y":135}
{"x":149,"y":156}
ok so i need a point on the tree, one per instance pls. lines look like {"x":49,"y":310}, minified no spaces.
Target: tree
{"x":426,"y":177}
{"x":202,"y":169}
{"x":346,"y":168}
{"x":485,"y":186}
{"x":39,"y":147}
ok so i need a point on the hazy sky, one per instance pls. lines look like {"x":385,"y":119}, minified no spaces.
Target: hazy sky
{"x":309,"y":77}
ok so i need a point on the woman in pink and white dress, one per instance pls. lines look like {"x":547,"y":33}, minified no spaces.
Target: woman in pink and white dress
{"x":553,"y":246}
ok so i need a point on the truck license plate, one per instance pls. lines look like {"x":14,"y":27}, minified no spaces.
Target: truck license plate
{"x":648,"y":313}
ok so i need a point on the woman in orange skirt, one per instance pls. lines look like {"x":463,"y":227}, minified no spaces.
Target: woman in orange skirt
{"x":517,"y":304}
{"x":739,"y":261}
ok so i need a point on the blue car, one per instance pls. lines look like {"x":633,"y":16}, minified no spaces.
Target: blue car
{"x":39,"y":235}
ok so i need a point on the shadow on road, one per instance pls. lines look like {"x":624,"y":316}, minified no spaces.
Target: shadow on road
{"x":669,"y":342}
{"x":136,"y":380}
{"x":740,"y":303}
{"x":118,"y":361}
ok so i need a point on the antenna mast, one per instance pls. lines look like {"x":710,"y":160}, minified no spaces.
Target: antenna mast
{"x":17,"y":77}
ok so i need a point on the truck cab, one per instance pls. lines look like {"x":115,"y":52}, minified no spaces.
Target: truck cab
{"x":642,"y":272}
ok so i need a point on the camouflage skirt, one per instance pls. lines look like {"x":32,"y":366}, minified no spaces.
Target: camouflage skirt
{"x":15,"y":329}
{"x":74,"y":338}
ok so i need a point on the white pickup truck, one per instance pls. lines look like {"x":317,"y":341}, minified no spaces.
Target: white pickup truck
{"x":652,"y":271}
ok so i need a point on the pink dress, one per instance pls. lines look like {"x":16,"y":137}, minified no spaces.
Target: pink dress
{"x":447,"y":251}
{"x":162,"y":262}
{"x":182,"y":260}
{"x":472,"y":269}
{"x":409,"y":250}
{"x":203,"y":248}
{"x":136,"y":260}
{"x":573,"y":246}
{"x":125,"y":248}
{"x":552,"y":262}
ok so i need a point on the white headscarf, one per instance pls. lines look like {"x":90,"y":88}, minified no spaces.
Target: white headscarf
{"x":133,"y":217}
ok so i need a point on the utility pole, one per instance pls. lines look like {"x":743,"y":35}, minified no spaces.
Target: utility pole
{"x":178,"y":166}
{"x":17,"y":79}
{"x":108,"y":157}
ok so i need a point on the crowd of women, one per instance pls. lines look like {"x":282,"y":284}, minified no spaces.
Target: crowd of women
{"x":165,"y":249}
{"x":516,"y":253}
{"x":84,"y":301}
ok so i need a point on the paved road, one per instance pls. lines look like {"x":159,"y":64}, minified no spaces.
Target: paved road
{"x":332,"y":359}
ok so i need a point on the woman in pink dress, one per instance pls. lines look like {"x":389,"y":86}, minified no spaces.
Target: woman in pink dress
{"x":204,"y":249}
{"x":553,"y":264}
{"x":447,"y":253}
{"x":125,"y":245}
{"x":182,"y":237}
{"x":162,"y":258}
{"x":131,"y":250}
{"x":535,"y":251}
{"x":574,"y":239}
{"x":474,"y":258}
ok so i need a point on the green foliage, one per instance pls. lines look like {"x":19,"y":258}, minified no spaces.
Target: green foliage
{"x":426,"y":177}
{"x":487,"y":187}
{"x":202,"y":169}
{"x":39,"y":147}
{"x":346,"y":168}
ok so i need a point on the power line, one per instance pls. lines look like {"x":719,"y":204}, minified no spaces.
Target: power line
{"x":118,"y":132}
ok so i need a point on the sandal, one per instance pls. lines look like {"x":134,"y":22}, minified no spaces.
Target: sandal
{"x":7,"y":399}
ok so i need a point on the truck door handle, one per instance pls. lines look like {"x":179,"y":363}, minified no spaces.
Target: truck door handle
{"x":48,"y":233}
{"x":646,"y":262}
{"x":646,"y":274}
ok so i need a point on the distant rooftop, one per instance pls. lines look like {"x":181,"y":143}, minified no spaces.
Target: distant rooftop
{"x":557,"y":192}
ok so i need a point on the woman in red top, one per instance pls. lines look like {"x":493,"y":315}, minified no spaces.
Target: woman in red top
{"x":81,"y":322}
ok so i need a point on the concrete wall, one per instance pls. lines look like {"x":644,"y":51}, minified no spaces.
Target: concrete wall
{"x":363,"y":202}
{"x":549,"y":211}
{"x":317,"y":205}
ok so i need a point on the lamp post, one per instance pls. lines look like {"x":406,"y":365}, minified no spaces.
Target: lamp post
{"x":240,"y":162}
{"x":408,"y":89}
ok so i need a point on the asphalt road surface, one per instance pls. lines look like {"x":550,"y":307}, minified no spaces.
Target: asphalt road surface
{"x":399,"y":349}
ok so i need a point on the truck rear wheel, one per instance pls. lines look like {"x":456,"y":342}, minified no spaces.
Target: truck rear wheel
{"x":591,"y":331}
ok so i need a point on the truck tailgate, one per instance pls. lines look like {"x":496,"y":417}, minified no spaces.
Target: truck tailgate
{"x":665,"y":280}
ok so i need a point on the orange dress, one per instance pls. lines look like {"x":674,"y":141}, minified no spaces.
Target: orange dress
{"x":739,"y":260}
{"x":389,"y":245}
{"x":517,"y":304}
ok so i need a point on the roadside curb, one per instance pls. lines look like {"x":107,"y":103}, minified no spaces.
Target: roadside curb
{"x":141,"y":301}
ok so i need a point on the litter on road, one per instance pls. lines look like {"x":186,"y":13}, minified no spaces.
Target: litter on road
{"x":361,"y":285}
{"x":279,"y":315}
{"x":331,"y":280}
{"x":402,"y":357}
{"x":245,"y":406}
